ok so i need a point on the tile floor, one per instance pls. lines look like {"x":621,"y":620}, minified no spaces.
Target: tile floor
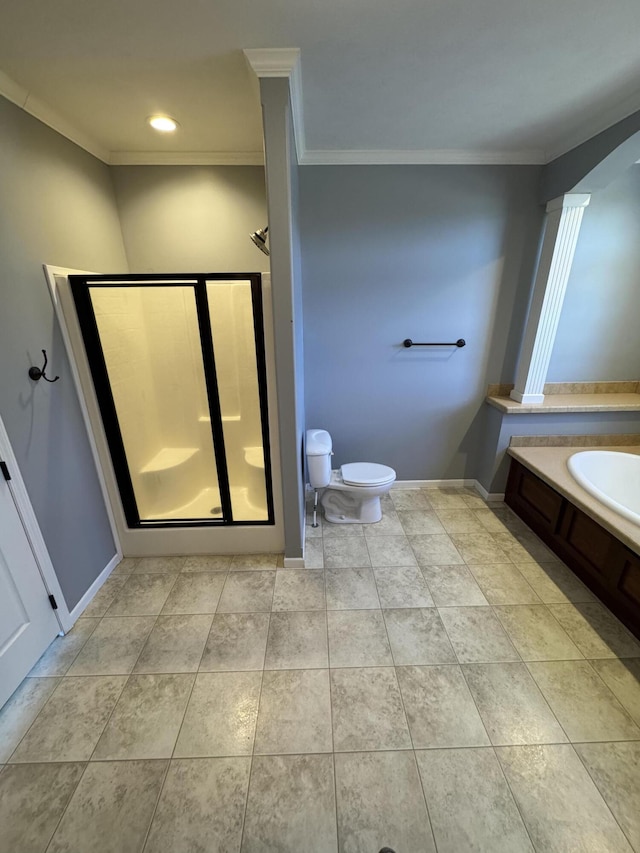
{"x":437,"y":681}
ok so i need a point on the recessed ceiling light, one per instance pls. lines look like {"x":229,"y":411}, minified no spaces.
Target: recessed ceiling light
{"x":165,"y":124}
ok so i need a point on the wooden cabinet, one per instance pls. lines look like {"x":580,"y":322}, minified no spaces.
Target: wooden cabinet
{"x":606,"y":566}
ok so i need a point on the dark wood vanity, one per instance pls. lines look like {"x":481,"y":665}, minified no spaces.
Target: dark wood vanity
{"x":607,"y":566}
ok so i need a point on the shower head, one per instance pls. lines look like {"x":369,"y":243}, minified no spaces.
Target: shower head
{"x":259,"y":237}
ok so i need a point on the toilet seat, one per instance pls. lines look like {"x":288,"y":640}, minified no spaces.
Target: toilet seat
{"x":366,"y":474}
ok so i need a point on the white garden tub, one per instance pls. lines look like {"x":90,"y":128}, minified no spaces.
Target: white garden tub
{"x":611,"y":477}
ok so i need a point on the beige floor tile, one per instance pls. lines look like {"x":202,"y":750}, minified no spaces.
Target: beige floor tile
{"x":512,"y":708}
{"x":367,"y":710}
{"x":453,"y":586}
{"x":20,"y":711}
{"x":419,"y":522}
{"x":380,"y":801}
{"x":291,"y":804}
{"x":105,"y":596}
{"x":299,"y":590}
{"x":195,"y":592}
{"x":346,"y":552}
{"x":125,"y":567}
{"x":584,"y":705}
{"x":314,"y":554}
{"x":147,"y":718}
{"x":561,"y":807}
{"x":445,"y":499}
{"x":163,"y":565}
{"x":221,"y":715}
{"x":358,"y":638}
{"x":435,"y":549}
{"x":521,"y":547}
{"x":390,"y":551}
{"x":499,"y":519}
{"x":210,"y":563}
{"x":553,"y":582}
{"x":201,"y":807}
{"x":409,"y":499}
{"x":351,"y":589}
{"x":142,"y":595}
{"x":457,"y":521}
{"x":63,"y":650}
{"x":237,"y":641}
{"x":114,"y":646}
{"x":596,"y":631}
{"x":33,"y":798}
{"x":111,"y":809}
{"x":254,"y":562}
{"x":470,"y":804}
{"x":476,"y":635}
{"x":297,"y":640}
{"x":614,"y":769}
{"x":331,"y":530}
{"x":402,"y":587}
{"x":247,"y":592}
{"x":175,"y":644}
{"x":389,"y":525}
{"x":69,"y":725}
{"x":439,"y":707}
{"x":502,"y":583}
{"x":417,"y":636}
{"x":536,"y":634}
{"x":295,"y":712}
{"x":623,"y":678}
{"x":479,"y":548}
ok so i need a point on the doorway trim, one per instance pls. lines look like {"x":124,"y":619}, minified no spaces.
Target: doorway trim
{"x":32,"y":530}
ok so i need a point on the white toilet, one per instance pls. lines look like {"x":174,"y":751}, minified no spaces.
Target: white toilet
{"x":352,"y":494}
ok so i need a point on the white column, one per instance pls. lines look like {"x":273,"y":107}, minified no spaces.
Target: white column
{"x":564,"y":216}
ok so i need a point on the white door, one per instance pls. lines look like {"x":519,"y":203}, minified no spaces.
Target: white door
{"x":27,"y":621}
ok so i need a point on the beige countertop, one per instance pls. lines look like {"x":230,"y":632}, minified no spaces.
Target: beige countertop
{"x":550,"y":464}
{"x":568,"y":403}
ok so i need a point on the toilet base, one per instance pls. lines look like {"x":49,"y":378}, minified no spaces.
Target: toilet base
{"x":342,"y":507}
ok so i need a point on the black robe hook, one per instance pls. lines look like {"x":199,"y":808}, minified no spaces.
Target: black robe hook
{"x":36,"y":373}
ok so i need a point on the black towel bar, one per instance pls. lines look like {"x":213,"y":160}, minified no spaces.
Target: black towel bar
{"x":459,"y":343}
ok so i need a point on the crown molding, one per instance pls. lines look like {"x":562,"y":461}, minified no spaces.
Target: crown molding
{"x":283,"y":62}
{"x":186,"y":158}
{"x":20,"y":96}
{"x":428,"y":157}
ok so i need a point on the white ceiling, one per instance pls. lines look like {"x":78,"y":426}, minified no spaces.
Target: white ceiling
{"x":412,"y":81}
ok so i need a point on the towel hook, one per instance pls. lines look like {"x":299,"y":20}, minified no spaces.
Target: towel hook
{"x":37,"y":373}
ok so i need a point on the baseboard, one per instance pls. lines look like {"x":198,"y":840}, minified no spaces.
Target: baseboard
{"x":490,"y":497}
{"x":433,"y":484}
{"x":294,"y":562}
{"x":93,"y":589}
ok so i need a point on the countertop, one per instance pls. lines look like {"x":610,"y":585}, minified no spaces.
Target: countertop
{"x":550,"y":464}
{"x":568,"y":403}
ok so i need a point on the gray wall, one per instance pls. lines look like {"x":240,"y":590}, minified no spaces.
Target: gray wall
{"x":597,"y":338}
{"x":56,"y":206}
{"x":432,"y":253}
{"x":192,"y":218}
{"x":493,"y":461}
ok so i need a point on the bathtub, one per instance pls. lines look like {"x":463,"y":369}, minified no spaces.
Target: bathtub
{"x":611,"y":477}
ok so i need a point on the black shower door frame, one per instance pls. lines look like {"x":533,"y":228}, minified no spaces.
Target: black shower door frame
{"x":80,"y":285}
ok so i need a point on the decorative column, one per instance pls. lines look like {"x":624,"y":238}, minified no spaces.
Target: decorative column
{"x":564,"y":217}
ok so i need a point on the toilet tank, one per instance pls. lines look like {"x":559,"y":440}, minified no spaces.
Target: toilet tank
{"x":318,"y":450}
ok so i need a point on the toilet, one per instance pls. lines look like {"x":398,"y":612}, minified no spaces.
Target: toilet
{"x":351,"y":495}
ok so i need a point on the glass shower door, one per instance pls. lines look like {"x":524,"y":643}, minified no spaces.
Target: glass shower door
{"x":178,"y":368}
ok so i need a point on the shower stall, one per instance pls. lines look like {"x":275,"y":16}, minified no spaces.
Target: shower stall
{"x":178,"y":368}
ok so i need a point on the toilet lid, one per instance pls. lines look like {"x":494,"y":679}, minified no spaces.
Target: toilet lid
{"x":367,"y":474}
